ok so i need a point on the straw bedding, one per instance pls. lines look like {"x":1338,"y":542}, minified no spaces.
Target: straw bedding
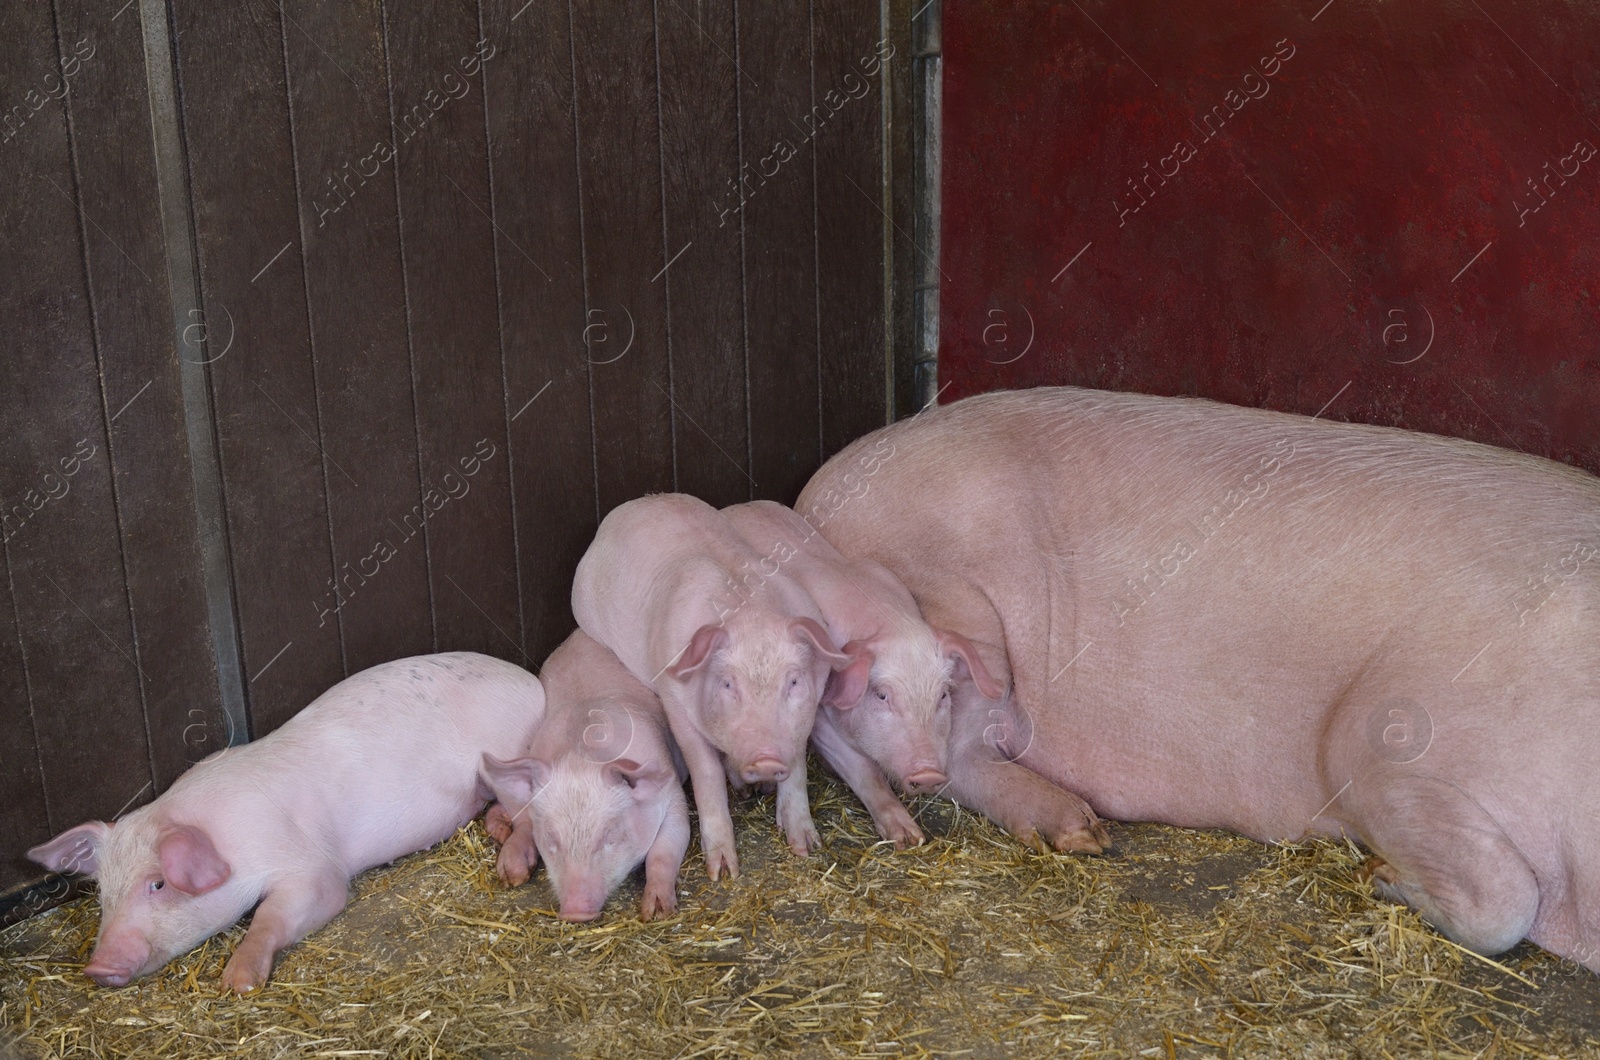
{"x":1174,"y":944}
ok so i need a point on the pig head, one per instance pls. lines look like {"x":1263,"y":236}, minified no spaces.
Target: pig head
{"x":751,"y":687}
{"x":594,"y":823}
{"x":892,"y":702}
{"x":164,"y":888}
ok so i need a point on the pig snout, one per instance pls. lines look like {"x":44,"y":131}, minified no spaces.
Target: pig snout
{"x":925,"y":778}
{"x":583,"y":899}
{"x":765,"y":768}
{"x":117,"y":961}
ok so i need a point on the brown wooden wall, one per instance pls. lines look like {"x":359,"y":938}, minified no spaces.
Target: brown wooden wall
{"x":348,"y":358}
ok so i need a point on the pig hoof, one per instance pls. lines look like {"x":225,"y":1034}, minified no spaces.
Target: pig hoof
{"x":904,"y":841}
{"x":902,"y":834}
{"x":657,"y":904}
{"x":1093,"y":838}
{"x":497,"y":823}
{"x":1086,"y":842}
{"x":802,"y":841}
{"x":720,"y":860}
{"x":239,"y":977}
{"x":513,"y":873}
{"x":1379,"y":871}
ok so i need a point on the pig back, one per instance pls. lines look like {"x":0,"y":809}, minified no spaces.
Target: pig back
{"x":1196,"y":599}
{"x":596,"y":708}
{"x":383,"y":764}
{"x":857,"y":599}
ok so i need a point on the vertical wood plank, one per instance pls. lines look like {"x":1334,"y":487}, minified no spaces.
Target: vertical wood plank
{"x":57,"y":510}
{"x":777,"y":185}
{"x":24,"y":813}
{"x":236,"y":125}
{"x":853,"y":65}
{"x":140,"y":385}
{"x":436,"y":55}
{"x":700,"y":166}
{"x":538,"y":247}
{"x":349,"y":227}
{"x":619,"y":164}
{"x":27,"y":56}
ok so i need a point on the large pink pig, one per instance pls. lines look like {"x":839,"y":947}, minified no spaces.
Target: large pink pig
{"x":739,"y":657}
{"x":1218,"y":616}
{"x":382,"y":764}
{"x":888,"y":712}
{"x":598,"y":790}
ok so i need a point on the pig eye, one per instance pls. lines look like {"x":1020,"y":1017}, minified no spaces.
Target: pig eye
{"x":156,"y":885}
{"x":794,"y":682}
{"x":727,"y":685}
{"x":883,"y":697}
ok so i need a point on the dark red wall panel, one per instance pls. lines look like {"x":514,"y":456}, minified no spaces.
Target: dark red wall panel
{"x":1391,"y":210}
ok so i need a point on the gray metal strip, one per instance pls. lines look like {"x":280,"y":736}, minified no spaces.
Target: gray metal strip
{"x":927,"y":54}
{"x":189,"y":321}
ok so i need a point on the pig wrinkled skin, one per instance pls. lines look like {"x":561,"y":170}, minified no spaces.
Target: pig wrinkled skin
{"x":383,"y":764}
{"x":598,"y":791}
{"x":1227,"y":617}
{"x":886,"y":716}
{"x":739,"y":658}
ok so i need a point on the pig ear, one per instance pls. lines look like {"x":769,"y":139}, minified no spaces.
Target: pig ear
{"x":190,"y":862}
{"x":75,"y":850}
{"x":811,"y":630}
{"x":706,"y":640}
{"x":642,"y":777}
{"x":951,"y":643}
{"x":514,"y":782}
{"x":847,"y":686}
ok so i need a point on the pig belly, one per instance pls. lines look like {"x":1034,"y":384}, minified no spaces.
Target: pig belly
{"x":1226,"y":777}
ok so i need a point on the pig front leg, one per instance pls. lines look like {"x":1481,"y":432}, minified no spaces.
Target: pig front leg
{"x":708,"y":776}
{"x":497,"y":822}
{"x":889,"y":815}
{"x":1024,"y":803}
{"x":293,"y":908}
{"x":519,"y":854}
{"x":794,"y":811}
{"x":662,"y":864}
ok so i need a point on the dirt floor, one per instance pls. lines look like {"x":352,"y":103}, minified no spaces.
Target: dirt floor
{"x":1174,"y":944}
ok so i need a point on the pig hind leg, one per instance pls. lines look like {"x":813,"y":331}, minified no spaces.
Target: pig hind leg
{"x":1439,"y":852}
{"x":292,"y":909}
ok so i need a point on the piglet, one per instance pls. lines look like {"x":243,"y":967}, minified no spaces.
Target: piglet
{"x":888,"y":711}
{"x":738,"y":656}
{"x":599,"y":791}
{"x":383,"y":764}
